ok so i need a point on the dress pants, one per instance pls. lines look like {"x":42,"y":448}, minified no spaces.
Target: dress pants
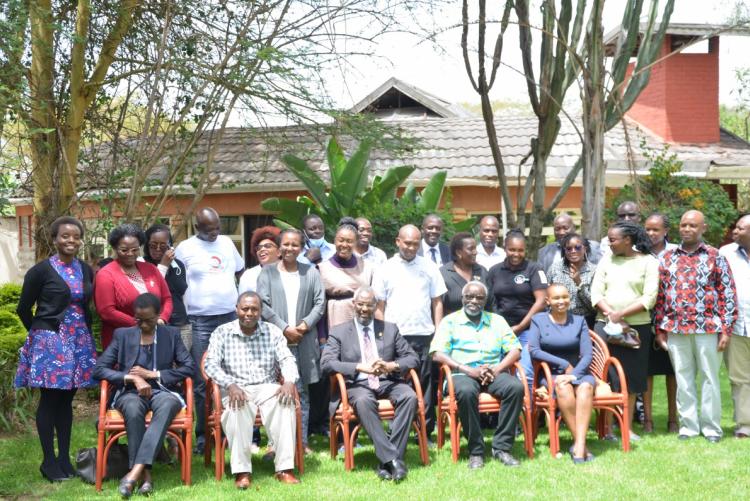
{"x":203,"y":326}
{"x":737,"y":358}
{"x":365,"y":403}
{"x":279,"y":420}
{"x":421,"y":345}
{"x":692,"y":354}
{"x":509,"y":389}
{"x":144,"y":443}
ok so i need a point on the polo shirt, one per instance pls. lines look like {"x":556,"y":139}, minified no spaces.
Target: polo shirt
{"x":470,"y":344}
{"x":513,"y":289}
{"x":374,"y":256}
{"x":408,"y":288}
{"x":489,"y":260}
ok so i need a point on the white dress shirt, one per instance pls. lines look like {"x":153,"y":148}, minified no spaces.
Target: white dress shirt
{"x":489,"y":260}
{"x":427,"y":251}
{"x":738,"y":261}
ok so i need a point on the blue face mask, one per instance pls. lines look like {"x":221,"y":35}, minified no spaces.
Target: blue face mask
{"x":317,"y":242}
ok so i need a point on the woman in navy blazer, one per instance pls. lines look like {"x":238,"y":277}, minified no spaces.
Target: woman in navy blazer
{"x":145,"y":364}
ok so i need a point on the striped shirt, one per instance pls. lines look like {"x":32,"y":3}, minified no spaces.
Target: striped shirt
{"x":470,"y":344}
{"x":236,"y":358}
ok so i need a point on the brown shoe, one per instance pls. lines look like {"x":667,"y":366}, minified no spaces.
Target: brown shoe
{"x":242,"y":481}
{"x":286,"y":477}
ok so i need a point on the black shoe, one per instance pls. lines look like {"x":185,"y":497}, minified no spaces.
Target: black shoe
{"x":682,"y":436}
{"x":714,"y":439}
{"x":398,"y":469}
{"x":505,"y":458}
{"x":52,"y":472}
{"x":384,"y":472}
{"x":476,"y":462}
{"x":66,"y":467}
{"x":126,"y":487}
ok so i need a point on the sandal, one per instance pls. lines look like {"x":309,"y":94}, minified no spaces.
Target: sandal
{"x":147,"y":488}
{"x":587,"y":458}
{"x":126,"y":487}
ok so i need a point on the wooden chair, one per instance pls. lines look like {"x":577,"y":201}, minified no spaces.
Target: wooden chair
{"x":447,"y":406}
{"x":215,"y":435}
{"x":614,"y":402}
{"x":345,"y":420}
{"x":111,"y":427}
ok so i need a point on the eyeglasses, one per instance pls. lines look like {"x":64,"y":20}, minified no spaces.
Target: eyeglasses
{"x":158,"y":246}
{"x":267,"y":246}
{"x":149,"y":320}
{"x":577,"y":248}
{"x":475,"y":297}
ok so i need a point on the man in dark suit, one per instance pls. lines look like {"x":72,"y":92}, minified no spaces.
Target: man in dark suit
{"x":431,"y":247}
{"x":373,"y":357}
{"x":145,"y":363}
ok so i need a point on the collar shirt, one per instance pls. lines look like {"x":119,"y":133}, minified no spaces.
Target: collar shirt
{"x":327,"y":250}
{"x":668,"y":246}
{"x":740,"y":265}
{"x":427,"y":251}
{"x":489,"y":260}
{"x":376,"y":257}
{"x":361,"y":340}
{"x":470,"y":344}
{"x":408,"y":288}
{"x":235,"y":358}
{"x":697,"y":294}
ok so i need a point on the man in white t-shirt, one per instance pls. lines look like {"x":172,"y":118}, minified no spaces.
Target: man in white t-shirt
{"x":488,"y":252}
{"x":409,"y":289}
{"x":212,"y":263}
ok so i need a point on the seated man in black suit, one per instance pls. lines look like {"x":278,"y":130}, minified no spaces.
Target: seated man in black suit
{"x":145,"y":363}
{"x":373,"y":357}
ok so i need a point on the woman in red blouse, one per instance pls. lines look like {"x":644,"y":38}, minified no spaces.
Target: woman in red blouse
{"x":118,"y":284}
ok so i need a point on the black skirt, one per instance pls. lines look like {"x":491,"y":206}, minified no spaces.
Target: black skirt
{"x":635,"y":363}
{"x":659,"y":363}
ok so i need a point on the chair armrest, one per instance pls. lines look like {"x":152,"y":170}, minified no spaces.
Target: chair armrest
{"x":412,"y":374}
{"x":445,"y":371}
{"x":189,"y":395}
{"x":103,"y":398}
{"x":203,"y":366}
{"x":522,"y":376}
{"x":338,"y":383}
{"x":612,"y":361}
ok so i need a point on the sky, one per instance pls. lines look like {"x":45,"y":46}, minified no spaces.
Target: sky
{"x":439,"y":68}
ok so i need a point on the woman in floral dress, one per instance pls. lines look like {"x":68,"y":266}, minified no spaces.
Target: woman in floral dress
{"x":58,"y":356}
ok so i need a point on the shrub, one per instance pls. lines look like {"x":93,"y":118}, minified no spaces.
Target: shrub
{"x":665,"y":191}
{"x":9,"y":294}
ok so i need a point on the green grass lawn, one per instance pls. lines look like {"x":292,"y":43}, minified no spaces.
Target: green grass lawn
{"x":658,"y":467}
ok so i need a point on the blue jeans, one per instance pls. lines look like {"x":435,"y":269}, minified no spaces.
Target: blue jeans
{"x":203,"y":327}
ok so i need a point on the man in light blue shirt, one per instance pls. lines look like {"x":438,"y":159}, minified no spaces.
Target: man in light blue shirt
{"x":316,"y":248}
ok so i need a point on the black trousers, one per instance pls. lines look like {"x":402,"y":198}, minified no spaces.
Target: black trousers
{"x":510,"y":391}
{"x":421,"y":345}
{"x":144,"y":443}
{"x":365,"y":403}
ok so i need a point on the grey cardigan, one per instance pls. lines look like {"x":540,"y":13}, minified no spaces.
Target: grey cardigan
{"x":310,"y":308}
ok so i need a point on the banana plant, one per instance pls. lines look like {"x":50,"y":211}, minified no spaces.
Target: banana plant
{"x":348,"y":187}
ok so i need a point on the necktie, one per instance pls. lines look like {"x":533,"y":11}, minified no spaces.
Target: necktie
{"x":371,"y":355}
{"x":434,"y":254}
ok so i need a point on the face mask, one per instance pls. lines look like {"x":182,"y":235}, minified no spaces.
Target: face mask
{"x":317,"y":242}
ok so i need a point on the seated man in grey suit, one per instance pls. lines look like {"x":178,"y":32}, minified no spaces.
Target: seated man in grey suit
{"x":373,"y":357}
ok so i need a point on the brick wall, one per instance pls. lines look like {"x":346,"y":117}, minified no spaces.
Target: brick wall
{"x":681,"y":101}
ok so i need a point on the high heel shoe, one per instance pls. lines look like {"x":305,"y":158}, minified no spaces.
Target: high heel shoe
{"x":52,"y":472}
{"x":66,"y":467}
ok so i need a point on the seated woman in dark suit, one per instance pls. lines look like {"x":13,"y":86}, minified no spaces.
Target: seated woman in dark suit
{"x":561,"y":339}
{"x":145,"y":363}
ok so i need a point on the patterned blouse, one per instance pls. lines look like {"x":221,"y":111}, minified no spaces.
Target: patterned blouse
{"x":580,"y":295}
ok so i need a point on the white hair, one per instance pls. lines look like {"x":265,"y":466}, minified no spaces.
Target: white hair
{"x":365,"y":289}
{"x":474,"y":282}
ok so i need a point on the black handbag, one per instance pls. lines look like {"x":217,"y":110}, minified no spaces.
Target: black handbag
{"x":628,"y":339}
{"x":117,"y":463}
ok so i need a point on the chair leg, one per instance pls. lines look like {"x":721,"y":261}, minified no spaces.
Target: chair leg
{"x":348,"y":447}
{"x":333,"y":438}
{"x":219,"y":456}
{"x":99,"y":459}
{"x":455,"y":437}
{"x":441,"y":430}
{"x":422,"y":436}
{"x":624,"y":430}
{"x":187,"y":458}
{"x":208,"y":445}
{"x":299,"y":451}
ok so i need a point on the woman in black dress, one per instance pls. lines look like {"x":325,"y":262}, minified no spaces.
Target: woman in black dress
{"x":460,"y":271}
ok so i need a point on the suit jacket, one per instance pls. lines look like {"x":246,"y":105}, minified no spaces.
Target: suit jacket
{"x":342,"y":353}
{"x":443,"y":248}
{"x":311,"y":304}
{"x":173,"y":361}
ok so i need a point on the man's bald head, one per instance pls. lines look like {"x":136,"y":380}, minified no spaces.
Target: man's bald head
{"x":629,"y":211}
{"x":692,"y":227}
{"x":408,"y":241}
{"x":741,"y":232}
{"x":207,"y":224}
{"x":563,"y":225}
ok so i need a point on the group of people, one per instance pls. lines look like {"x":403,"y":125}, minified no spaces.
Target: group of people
{"x":272,"y":333}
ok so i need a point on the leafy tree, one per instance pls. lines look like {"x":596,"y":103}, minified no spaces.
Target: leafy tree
{"x":665,"y":190}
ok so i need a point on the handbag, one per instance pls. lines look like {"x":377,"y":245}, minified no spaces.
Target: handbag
{"x":628,"y":339}
{"x":117,"y":463}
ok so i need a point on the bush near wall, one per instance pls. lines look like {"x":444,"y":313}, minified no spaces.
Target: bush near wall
{"x":16,"y":406}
